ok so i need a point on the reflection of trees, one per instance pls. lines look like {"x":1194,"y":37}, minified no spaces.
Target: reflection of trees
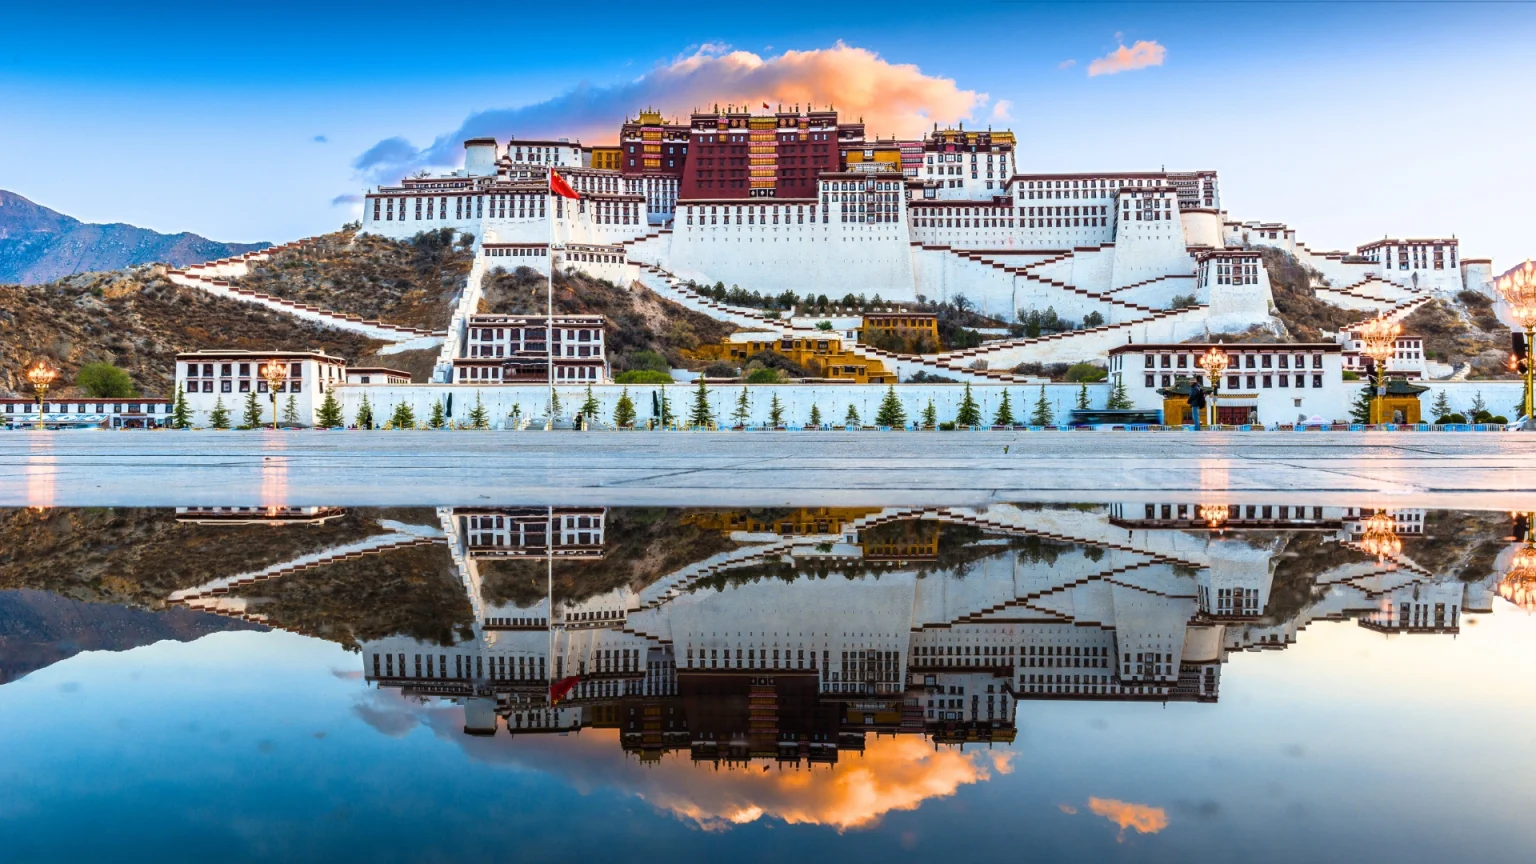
{"x":640,"y":545}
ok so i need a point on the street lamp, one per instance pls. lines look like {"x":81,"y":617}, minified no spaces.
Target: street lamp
{"x":1215,"y":515}
{"x":1518,"y":288}
{"x":276,"y":372}
{"x":1378,"y":338}
{"x":40,"y":376}
{"x":1381,"y":537}
{"x":1214,"y":362}
{"x":1519,"y":585}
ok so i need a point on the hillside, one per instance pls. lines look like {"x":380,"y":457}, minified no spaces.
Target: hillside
{"x":638,"y":320}
{"x":139,"y":320}
{"x":40,"y":245}
{"x":1296,"y":303}
{"x":408,"y":282}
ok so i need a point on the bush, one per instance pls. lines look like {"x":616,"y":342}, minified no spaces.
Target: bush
{"x":719,"y":369}
{"x":1081,"y":372}
{"x":922,"y":376}
{"x":762,"y":376}
{"x":647,"y":360}
{"x":105,"y":381}
{"x":1093,"y":319}
{"x":643,"y":376}
{"x":1351,"y":375}
{"x":946,"y":426}
{"x":1452,"y":418}
{"x":1182,"y":301}
{"x":1499,"y":419}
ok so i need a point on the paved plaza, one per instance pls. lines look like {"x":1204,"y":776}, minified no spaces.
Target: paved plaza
{"x":1493,"y":470}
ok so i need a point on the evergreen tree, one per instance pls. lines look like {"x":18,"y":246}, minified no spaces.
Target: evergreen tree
{"x":252,"y":418}
{"x":930,"y":416}
{"x":1442,"y":406}
{"x":743,"y":412}
{"x":852,"y":417}
{"x":554,"y":405}
{"x":775,"y":412}
{"x":436,"y":418}
{"x":1360,"y":411}
{"x":667,"y":418}
{"x":1119,"y":400}
{"x":815,"y":416}
{"x":1082,"y":397}
{"x":181,"y":416}
{"x":329,"y":416}
{"x":515,"y":416}
{"x":365,"y":414}
{"x":969,"y":414}
{"x":1004,"y":415}
{"x":479,"y":418}
{"x":220,"y":415}
{"x":1042,"y":415}
{"x":624,"y":412}
{"x":291,"y":410}
{"x":892,"y":413}
{"x":404,"y":417}
{"x":699,"y":416}
{"x":1479,"y":407}
{"x":589,"y":407}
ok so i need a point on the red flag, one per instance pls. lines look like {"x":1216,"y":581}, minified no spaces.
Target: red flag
{"x":558,"y":186}
{"x":765,"y":106}
{"x":562,"y":688}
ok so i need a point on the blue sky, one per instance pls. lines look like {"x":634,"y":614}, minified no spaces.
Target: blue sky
{"x":1347,"y":120}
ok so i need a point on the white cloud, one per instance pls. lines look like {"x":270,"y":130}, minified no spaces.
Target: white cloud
{"x":1000,"y":110}
{"x":1139,"y":56}
{"x":1066,"y":64}
{"x":891,"y":98}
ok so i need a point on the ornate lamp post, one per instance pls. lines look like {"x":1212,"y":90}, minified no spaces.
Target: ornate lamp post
{"x":1381,"y":537}
{"x":40,"y":375}
{"x":1379,"y":342}
{"x":1518,"y":288}
{"x":1214,"y":362}
{"x":1519,"y":585}
{"x":276,"y":372}
{"x":1215,"y":515}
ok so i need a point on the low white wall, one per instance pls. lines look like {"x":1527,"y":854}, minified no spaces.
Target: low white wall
{"x":797,"y":399}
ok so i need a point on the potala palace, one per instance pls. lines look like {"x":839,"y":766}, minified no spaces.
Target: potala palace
{"x":797,"y":200}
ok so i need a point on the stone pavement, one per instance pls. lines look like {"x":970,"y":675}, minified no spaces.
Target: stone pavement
{"x":1384,"y":469}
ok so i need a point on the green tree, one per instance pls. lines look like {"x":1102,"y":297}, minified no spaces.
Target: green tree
{"x":892,"y":413}
{"x":667,"y":418}
{"x":252,"y":415}
{"x":930,"y":416}
{"x":1360,"y":411}
{"x":1119,"y":400}
{"x":589,"y":406}
{"x":624,"y":412}
{"x":775,"y":412}
{"x":743,"y":411}
{"x":1442,"y":406}
{"x":291,"y":410}
{"x":554,"y":404}
{"x":404,"y":417}
{"x":329,"y":415}
{"x":762,"y":376}
{"x":699,"y":415}
{"x":219,"y":417}
{"x":1480,"y":407}
{"x":181,"y":415}
{"x":365,"y":414}
{"x":969,"y":413}
{"x":479,"y":418}
{"x":1004,"y":415}
{"x":1042,"y":415}
{"x":436,"y":419}
{"x":1082,"y":398}
{"x":105,"y":381}
{"x":852,"y":417}
{"x":815,"y":415}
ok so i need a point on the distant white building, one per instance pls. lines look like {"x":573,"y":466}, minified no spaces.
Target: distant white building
{"x":1265,"y":383}
{"x":209,"y":377}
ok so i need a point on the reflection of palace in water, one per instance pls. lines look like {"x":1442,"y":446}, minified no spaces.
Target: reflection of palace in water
{"x":814,"y":627}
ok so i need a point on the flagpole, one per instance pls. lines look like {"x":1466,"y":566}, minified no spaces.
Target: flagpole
{"x":549,"y":556}
{"x":549,"y":307}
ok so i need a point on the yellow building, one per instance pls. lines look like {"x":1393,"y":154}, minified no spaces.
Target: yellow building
{"x":915,"y":330}
{"x":801,"y":522}
{"x":822,"y":357}
{"x":607,"y":158}
{"x":876,"y":158}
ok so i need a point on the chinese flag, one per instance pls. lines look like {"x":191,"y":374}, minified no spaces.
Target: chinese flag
{"x":558,"y":186}
{"x":765,"y":106}
{"x":562,"y":688}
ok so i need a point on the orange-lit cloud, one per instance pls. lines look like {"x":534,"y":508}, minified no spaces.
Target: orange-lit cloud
{"x":1138,"y":817}
{"x":1122,"y":59}
{"x":892,"y":99}
{"x":1067,"y":809}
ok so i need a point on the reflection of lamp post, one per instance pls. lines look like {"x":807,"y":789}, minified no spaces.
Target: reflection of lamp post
{"x":1378,"y":337}
{"x":1381,"y":537}
{"x":1519,"y":585}
{"x":1518,"y":288}
{"x":1215,"y":515}
{"x":40,"y":376}
{"x":276,"y":372}
{"x":1214,"y":362}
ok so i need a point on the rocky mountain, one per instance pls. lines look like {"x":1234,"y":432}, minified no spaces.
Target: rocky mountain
{"x":41,"y":245}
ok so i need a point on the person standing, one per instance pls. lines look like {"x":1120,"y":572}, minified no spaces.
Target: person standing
{"x":1196,"y":403}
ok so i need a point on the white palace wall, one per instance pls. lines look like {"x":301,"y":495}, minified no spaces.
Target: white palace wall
{"x":833,"y":259}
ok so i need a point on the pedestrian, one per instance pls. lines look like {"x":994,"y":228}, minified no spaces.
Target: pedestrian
{"x":1196,"y":403}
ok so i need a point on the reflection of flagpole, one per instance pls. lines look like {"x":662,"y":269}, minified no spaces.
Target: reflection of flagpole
{"x":549,"y":557}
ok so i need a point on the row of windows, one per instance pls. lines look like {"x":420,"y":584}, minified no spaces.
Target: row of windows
{"x":89,"y":408}
{"x":1253,"y":382}
{"x":1245,"y":361}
